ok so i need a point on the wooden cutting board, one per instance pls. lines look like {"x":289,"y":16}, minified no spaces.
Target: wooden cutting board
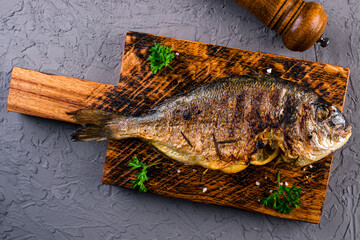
{"x":50,"y":96}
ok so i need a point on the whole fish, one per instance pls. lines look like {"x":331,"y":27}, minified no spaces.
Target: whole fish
{"x":230,"y":123}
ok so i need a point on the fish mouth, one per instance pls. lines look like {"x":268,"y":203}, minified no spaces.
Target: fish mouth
{"x":342,"y":136}
{"x":345,"y":133}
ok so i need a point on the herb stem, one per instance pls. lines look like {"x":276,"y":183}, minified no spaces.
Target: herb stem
{"x":141,"y":177}
{"x":284,"y":198}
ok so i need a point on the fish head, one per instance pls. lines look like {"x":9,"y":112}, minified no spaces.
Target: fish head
{"x":325,"y":130}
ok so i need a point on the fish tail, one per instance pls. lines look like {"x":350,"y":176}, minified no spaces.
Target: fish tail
{"x":91,"y":133}
{"x":97,"y":125}
{"x":92,"y":116}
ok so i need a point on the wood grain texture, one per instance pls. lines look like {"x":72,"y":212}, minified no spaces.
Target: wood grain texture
{"x":50,"y":96}
{"x":299,"y":23}
{"x":195,"y":64}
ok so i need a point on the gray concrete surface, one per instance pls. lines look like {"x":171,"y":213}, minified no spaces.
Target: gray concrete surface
{"x":50,"y":188}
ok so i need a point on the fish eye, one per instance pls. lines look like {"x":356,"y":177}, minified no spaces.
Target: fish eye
{"x":309,"y":136}
{"x":322,"y":113}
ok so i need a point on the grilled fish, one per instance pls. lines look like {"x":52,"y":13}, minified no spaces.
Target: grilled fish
{"x":230,"y":123}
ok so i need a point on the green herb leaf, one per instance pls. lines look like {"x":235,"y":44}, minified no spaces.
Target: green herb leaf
{"x":141,"y":177}
{"x":284,"y":199}
{"x":135,"y":163}
{"x":160,"y":57}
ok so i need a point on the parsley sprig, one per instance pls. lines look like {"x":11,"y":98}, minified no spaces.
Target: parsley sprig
{"x":160,"y":57}
{"x":138,"y":183}
{"x":284,"y":198}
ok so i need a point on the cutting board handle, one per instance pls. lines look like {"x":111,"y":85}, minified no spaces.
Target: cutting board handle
{"x":299,"y":23}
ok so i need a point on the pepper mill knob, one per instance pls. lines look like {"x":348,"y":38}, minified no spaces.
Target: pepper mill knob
{"x":299,"y":23}
{"x":324,"y":42}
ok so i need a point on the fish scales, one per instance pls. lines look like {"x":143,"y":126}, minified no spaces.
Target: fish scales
{"x":214,"y":122}
{"x":230,"y":123}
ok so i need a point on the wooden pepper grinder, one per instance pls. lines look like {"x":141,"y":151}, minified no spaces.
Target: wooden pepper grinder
{"x":299,"y":23}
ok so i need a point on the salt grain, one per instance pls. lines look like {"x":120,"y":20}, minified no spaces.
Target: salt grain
{"x":204,"y":190}
{"x":194,"y":170}
{"x":269,"y":70}
{"x":310,"y":166}
{"x":177,"y":54}
{"x":271,"y":190}
{"x":259,"y":200}
{"x":257,"y":183}
{"x":178,"y":171}
{"x":286,"y":184}
{"x":281,"y":183}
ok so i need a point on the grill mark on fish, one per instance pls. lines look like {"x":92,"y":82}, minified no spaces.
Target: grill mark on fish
{"x":255,"y":117}
{"x":247,"y":107}
{"x":302,"y":122}
{"x":274,"y":96}
{"x":216,"y":147}
{"x":186,"y":139}
{"x":241,"y":103}
{"x":237,"y":113}
{"x":289,"y":113}
{"x":268,"y":111}
{"x":274,"y":100}
{"x":239,"y":107}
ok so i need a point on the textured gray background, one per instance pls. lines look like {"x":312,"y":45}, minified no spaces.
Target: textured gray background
{"x":50,"y":188}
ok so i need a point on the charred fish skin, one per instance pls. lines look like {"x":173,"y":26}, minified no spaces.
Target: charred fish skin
{"x":227,"y":123}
